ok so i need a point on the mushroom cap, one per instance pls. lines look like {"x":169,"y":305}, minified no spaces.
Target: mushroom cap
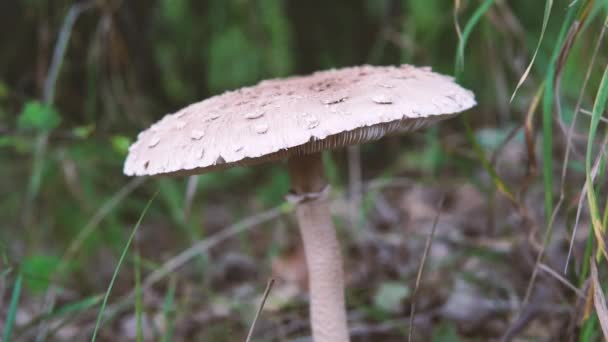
{"x":279,"y":118}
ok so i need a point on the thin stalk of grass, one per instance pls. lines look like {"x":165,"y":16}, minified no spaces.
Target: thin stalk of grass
{"x":589,"y":331}
{"x":427,"y":248}
{"x":169,"y":310}
{"x":138,"y":297}
{"x":195,"y":250}
{"x":78,"y":242}
{"x":468,"y":28}
{"x":547,"y":141}
{"x":12,"y":310}
{"x":78,"y":306}
{"x":122,"y":257}
{"x":260,"y":308}
{"x":546,"y":15}
{"x":596,"y":218}
{"x":547,"y":110}
{"x":578,"y":109}
{"x":66,"y":310}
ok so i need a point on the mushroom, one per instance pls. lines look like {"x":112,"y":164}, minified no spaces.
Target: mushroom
{"x":297,"y":118}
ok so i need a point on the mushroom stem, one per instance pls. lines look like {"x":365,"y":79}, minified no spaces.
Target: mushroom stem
{"x":323,"y":257}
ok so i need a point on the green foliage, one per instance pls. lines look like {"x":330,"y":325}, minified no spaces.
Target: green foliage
{"x":390,"y":295}
{"x":38,"y":116}
{"x":169,"y":311}
{"x":121,"y":144}
{"x":38,"y":270}
{"x":83,"y":132}
{"x":428,"y":18}
{"x":235,"y":58}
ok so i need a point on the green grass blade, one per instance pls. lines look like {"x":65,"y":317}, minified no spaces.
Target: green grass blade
{"x":468,"y":28}
{"x":78,"y":306}
{"x":168,"y":310}
{"x":120,"y":261}
{"x":546,"y":15}
{"x":547,"y":117}
{"x":589,"y":331}
{"x":138,"y":298}
{"x":596,"y":218}
{"x":12,"y":311}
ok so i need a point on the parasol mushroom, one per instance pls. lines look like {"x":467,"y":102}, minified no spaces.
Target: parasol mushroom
{"x":296,"y":119}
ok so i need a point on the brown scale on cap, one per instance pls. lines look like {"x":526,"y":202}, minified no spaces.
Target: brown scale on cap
{"x":280,"y":118}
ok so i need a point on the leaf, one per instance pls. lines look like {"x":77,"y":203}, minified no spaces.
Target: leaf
{"x":599,"y":300}
{"x":38,"y":116}
{"x":390,"y":295}
{"x":120,"y":144}
{"x":38,"y":269}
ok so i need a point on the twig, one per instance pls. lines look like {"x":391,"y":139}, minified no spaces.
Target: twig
{"x":562,"y":280}
{"x":427,"y":248}
{"x":203,"y":245}
{"x":590,"y":113}
{"x":260,"y":307}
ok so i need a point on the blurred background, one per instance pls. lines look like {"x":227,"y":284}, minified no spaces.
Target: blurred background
{"x":515,"y":251}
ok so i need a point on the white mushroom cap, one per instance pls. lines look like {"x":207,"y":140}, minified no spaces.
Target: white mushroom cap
{"x":280,"y":118}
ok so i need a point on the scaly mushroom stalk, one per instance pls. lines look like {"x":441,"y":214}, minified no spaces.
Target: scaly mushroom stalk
{"x":323,"y":257}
